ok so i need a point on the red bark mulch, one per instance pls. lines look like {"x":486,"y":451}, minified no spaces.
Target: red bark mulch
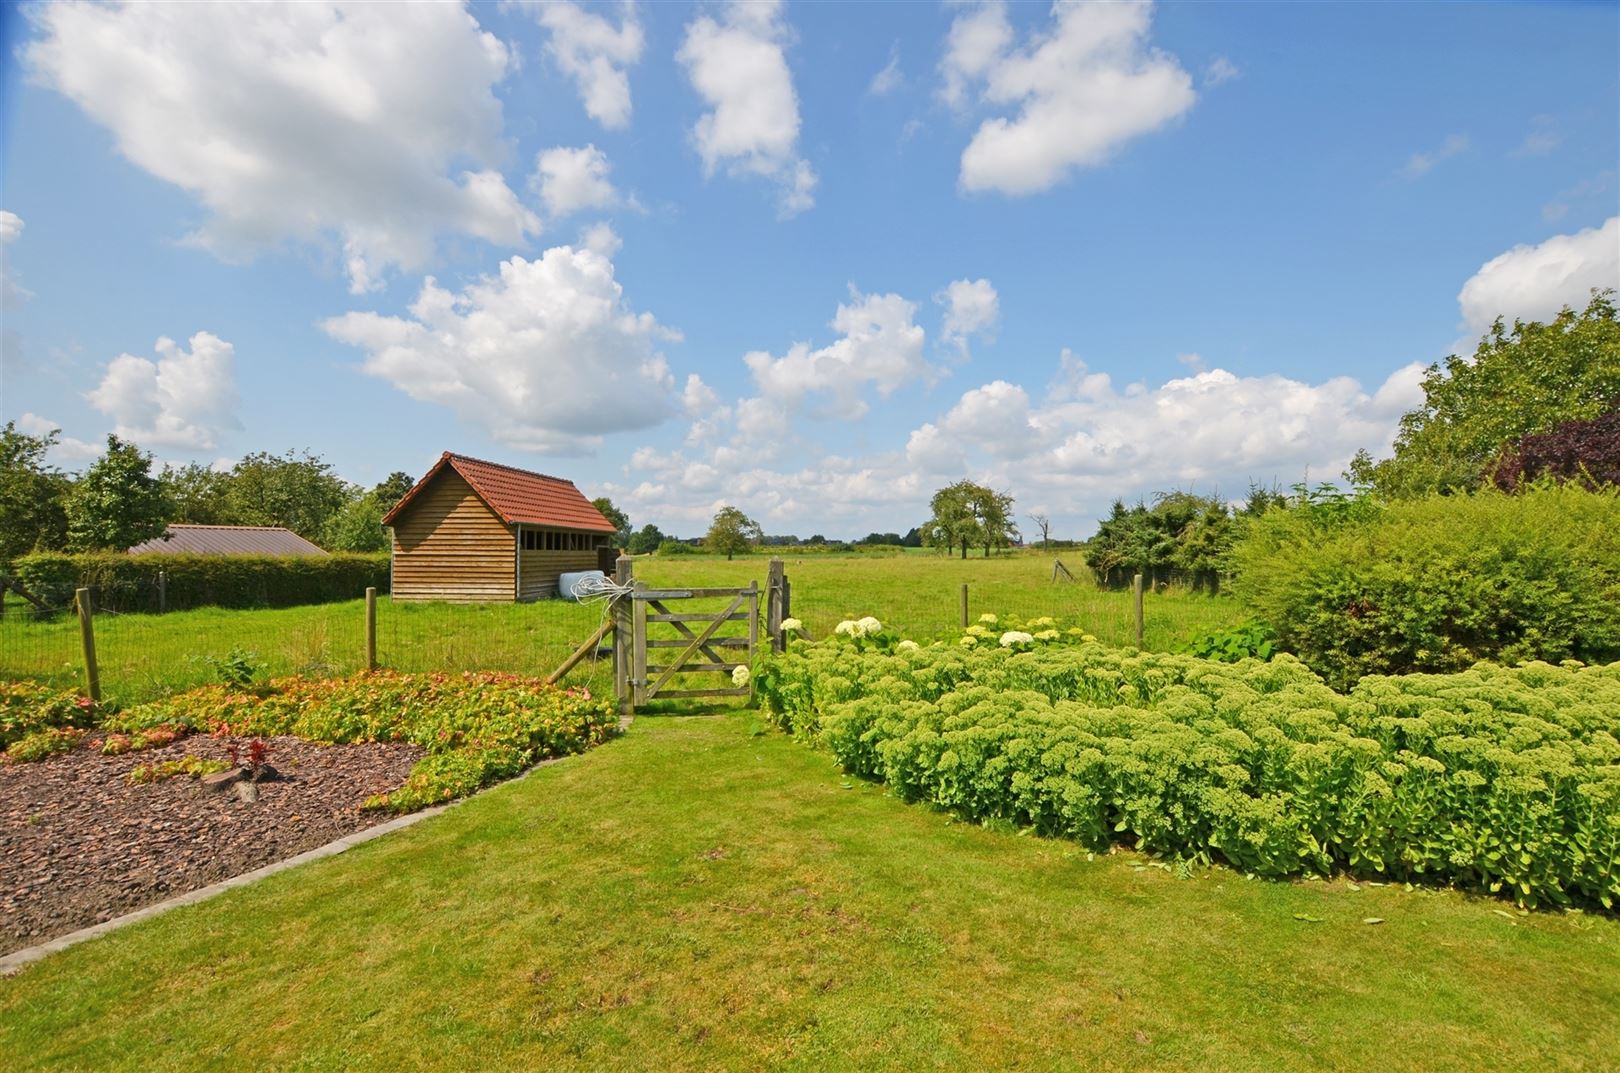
{"x":80,"y":843}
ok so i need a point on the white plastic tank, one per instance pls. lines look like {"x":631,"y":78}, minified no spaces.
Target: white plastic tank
{"x":567,"y":581}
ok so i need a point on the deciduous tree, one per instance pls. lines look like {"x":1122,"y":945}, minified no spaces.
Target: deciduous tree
{"x":732,"y":531}
{"x":1518,"y":382}
{"x":116,"y":503}
{"x":31,"y":494}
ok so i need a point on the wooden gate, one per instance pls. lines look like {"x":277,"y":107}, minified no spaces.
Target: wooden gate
{"x":699,"y":644}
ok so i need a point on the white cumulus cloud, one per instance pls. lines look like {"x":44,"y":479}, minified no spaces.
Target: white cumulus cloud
{"x":972,"y":307}
{"x":574,"y":180}
{"x":738,"y":65}
{"x":374,"y":124}
{"x":1083,"y":442}
{"x":1535,"y":282}
{"x":1074,"y":93}
{"x":879,"y":344}
{"x":67,"y":451}
{"x":547,"y":357}
{"x":595,"y":53}
{"x":184,"y":399}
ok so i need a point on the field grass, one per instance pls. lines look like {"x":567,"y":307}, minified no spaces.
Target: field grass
{"x":696,"y":896}
{"x":143,"y":656}
{"x":920,"y":594}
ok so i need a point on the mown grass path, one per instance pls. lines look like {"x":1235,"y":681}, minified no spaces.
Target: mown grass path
{"x":695,"y":896}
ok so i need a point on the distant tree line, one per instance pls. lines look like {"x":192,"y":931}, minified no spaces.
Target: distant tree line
{"x":123,"y":498}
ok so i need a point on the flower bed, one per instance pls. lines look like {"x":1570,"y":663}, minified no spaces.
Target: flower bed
{"x":1504,"y":779}
{"x":476,"y":728}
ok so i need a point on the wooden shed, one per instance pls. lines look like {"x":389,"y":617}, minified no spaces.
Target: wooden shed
{"x":474,"y":531}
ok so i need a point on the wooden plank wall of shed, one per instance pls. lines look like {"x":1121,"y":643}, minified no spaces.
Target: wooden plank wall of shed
{"x":539,"y":569}
{"x":449,"y":546}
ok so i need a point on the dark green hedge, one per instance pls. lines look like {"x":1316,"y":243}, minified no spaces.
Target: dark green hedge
{"x":130,"y":582}
{"x":1435,"y":584}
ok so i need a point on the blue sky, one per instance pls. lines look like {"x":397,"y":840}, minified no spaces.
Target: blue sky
{"x":813,"y":260}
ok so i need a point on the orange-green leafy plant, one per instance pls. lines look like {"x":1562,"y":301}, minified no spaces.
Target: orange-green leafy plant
{"x":476,"y":728}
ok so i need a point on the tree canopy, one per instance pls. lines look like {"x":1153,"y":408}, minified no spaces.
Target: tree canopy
{"x":31,"y":494}
{"x":1518,"y":382}
{"x":298,"y":490}
{"x":617,"y":517}
{"x":966,"y":515}
{"x":116,"y":503}
{"x":732,"y":531}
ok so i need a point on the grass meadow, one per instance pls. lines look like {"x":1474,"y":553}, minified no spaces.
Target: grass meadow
{"x":143,"y":656}
{"x":701,"y":895}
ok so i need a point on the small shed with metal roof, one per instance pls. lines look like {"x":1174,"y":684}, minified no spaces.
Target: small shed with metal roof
{"x":474,"y":531}
{"x":186,"y":539}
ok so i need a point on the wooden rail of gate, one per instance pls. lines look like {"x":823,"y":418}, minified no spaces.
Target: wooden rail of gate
{"x":694,"y":651}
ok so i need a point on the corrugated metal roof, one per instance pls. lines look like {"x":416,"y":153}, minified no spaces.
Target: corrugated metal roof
{"x":517,"y":495}
{"x":228,"y":540}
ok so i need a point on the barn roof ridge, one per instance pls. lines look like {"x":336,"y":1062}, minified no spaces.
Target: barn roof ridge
{"x":211,"y":525}
{"x":504,"y":465}
{"x":516,"y":496}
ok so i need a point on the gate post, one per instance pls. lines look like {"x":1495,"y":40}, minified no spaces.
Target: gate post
{"x":775,"y":603}
{"x":623,"y":571}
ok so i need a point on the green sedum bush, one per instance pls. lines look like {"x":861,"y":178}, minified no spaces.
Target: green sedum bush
{"x":1438,"y":583}
{"x":1506,"y":780}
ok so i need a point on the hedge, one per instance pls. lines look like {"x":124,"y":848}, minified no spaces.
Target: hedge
{"x":123,"y":582}
{"x":1438,"y":583}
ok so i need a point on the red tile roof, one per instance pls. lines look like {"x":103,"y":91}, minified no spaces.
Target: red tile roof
{"x":227,"y":540}
{"x":517,"y":495}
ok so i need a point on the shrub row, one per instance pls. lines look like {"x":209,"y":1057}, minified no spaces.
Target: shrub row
{"x":477,"y":728}
{"x":1501,"y":779}
{"x":1437,"y":584}
{"x":130,"y":582}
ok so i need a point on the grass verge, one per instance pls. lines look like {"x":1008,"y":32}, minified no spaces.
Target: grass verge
{"x":700,"y":896}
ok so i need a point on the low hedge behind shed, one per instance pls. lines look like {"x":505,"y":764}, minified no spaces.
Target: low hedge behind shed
{"x":127,"y":583}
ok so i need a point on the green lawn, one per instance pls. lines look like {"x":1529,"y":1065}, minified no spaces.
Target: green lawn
{"x":142,"y":656}
{"x":695,"y":896}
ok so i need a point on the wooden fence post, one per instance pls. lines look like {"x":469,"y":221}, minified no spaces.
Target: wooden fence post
{"x":964,"y":605}
{"x":623,"y":572}
{"x":1136,"y":597}
{"x":371,"y":627}
{"x":163,"y":591}
{"x":87,"y":633}
{"x":774,"y":599}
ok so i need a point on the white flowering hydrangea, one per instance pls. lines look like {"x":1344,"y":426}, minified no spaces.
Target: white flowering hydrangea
{"x":869,"y":625}
{"x":791,"y":624}
{"x":907,"y":646}
{"x":1016,"y":637}
{"x":968,"y":640}
{"x":740,"y":676}
{"x":848,"y":628}
{"x":988,"y":619}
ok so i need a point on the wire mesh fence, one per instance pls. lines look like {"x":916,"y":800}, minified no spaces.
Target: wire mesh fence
{"x":143,"y":655}
{"x":920,"y":595}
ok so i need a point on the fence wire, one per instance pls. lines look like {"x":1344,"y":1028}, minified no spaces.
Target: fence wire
{"x":143,"y":655}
